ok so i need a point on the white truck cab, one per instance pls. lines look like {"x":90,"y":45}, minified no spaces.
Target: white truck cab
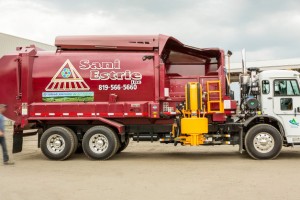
{"x":280,"y":98}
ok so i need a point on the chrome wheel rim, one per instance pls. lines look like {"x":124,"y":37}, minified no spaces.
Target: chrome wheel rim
{"x":56,"y":144}
{"x":98,"y":143}
{"x":263,"y":142}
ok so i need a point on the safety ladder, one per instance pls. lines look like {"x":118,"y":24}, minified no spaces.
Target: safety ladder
{"x":214,"y":98}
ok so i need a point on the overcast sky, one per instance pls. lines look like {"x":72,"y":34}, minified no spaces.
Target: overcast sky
{"x":268,"y":29}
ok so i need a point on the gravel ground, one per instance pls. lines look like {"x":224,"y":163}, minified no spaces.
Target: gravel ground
{"x":151,"y":171}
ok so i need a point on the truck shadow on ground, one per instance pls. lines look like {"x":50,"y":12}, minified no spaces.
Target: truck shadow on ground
{"x":215,"y":155}
{"x":162,"y":156}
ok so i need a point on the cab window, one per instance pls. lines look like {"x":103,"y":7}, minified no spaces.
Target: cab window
{"x":265,"y":87}
{"x":286,"y":103}
{"x":286,"y":87}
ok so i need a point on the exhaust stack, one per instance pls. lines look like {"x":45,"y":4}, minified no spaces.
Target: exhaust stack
{"x":244,"y":81}
{"x":244,"y":62}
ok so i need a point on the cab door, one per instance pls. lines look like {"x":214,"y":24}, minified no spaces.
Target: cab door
{"x":287,"y":107}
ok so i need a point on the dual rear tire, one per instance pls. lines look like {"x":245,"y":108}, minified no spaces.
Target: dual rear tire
{"x":58,"y":143}
{"x":124,"y":145}
{"x":99,"y":142}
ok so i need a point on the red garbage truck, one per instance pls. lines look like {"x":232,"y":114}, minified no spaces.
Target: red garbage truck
{"x":98,"y":92}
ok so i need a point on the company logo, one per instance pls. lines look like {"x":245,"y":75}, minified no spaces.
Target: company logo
{"x":66,"y":73}
{"x":294,"y":122}
{"x":67,"y":78}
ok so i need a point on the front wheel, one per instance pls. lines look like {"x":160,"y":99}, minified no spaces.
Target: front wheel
{"x":263,"y":141}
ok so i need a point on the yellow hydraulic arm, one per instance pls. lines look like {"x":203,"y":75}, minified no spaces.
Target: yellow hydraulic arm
{"x":192,"y":125}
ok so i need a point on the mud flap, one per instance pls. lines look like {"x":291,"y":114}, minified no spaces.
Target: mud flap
{"x":241,"y":140}
{"x":17,"y":141}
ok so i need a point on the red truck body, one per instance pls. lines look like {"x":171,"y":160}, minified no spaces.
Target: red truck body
{"x":131,"y":84}
{"x":136,"y":79}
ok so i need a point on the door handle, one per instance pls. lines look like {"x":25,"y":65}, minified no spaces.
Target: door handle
{"x":269,"y":97}
{"x":298,"y":109}
{"x":295,"y":112}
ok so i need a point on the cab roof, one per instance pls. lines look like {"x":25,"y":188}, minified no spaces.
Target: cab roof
{"x":278,"y":74}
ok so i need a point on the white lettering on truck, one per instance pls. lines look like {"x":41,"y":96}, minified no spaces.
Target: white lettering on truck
{"x":86,"y":64}
{"x":96,"y":73}
{"x":126,"y":75}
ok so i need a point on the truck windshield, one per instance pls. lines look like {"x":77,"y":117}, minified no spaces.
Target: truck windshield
{"x":286,"y":88}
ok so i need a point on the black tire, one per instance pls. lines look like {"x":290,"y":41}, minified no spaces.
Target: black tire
{"x":270,"y":144}
{"x":108,"y":143}
{"x":76,"y":145}
{"x":124,"y":144}
{"x":79,"y":149}
{"x":64,"y":137}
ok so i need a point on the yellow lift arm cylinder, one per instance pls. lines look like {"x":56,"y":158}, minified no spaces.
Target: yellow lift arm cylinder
{"x":192,"y":125}
{"x":193,"y":97}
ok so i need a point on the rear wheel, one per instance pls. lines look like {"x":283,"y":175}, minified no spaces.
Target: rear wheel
{"x":76,"y":145}
{"x":57,"y":143}
{"x":263,"y":141}
{"x":100,"y":143}
{"x":124,"y":144}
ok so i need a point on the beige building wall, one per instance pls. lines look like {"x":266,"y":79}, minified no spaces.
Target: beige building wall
{"x":8,"y":44}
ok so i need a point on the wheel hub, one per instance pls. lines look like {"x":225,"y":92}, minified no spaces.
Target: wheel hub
{"x":263,"y":142}
{"x":98,"y":143}
{"x":55,"y":144}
